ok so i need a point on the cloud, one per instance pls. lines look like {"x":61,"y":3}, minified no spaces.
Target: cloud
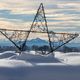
{"x":9,"y":15}
{"x":58,"y":12}
{"x":68,"y":5}
{"x":23,"y":11}
{"x":5,"y":24}
{"x":3,"y":5}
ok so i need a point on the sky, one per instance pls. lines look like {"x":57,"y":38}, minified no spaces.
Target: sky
{"x":62,"y":15}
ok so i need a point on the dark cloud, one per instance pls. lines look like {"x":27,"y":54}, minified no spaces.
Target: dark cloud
{"x":52,"y":6}
{"x":8,"y":15}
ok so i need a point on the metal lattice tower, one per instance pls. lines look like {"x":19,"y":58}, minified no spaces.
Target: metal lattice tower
{"x":17,"y":37}
{"x":39,"y":25}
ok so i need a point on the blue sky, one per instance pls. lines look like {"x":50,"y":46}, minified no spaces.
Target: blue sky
{"x":62,"y":15}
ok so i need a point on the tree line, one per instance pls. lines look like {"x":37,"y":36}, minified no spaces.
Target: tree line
{"x":39,"y":48}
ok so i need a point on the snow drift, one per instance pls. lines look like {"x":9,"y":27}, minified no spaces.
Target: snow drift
{"x":31,"y":66}
{"x":72,"y":58}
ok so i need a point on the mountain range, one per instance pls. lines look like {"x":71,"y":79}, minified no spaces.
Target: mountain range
{"x":38,"y":42}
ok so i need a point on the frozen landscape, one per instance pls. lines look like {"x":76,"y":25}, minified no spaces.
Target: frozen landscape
{"x":18,"y":33}
{"x":31,"y":66}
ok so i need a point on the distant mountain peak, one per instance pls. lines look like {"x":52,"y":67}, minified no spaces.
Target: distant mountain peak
{"x":38,"y":39}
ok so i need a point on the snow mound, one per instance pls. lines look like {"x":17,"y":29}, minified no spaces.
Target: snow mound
{"x":36,"y":58}
{"x":14,"y":63}
{"x":12,"y":59}
{"x":72,"y":58}
{"x":7,"y":54}
{"x":31,"y":66}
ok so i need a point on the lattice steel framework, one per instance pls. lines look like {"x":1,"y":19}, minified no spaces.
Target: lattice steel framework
{"x":17,"y":37}
{"x":39,"y":25}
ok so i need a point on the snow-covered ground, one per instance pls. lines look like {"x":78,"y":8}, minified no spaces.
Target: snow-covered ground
{"x":72,"y":58}
{"x":28,"y":66}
